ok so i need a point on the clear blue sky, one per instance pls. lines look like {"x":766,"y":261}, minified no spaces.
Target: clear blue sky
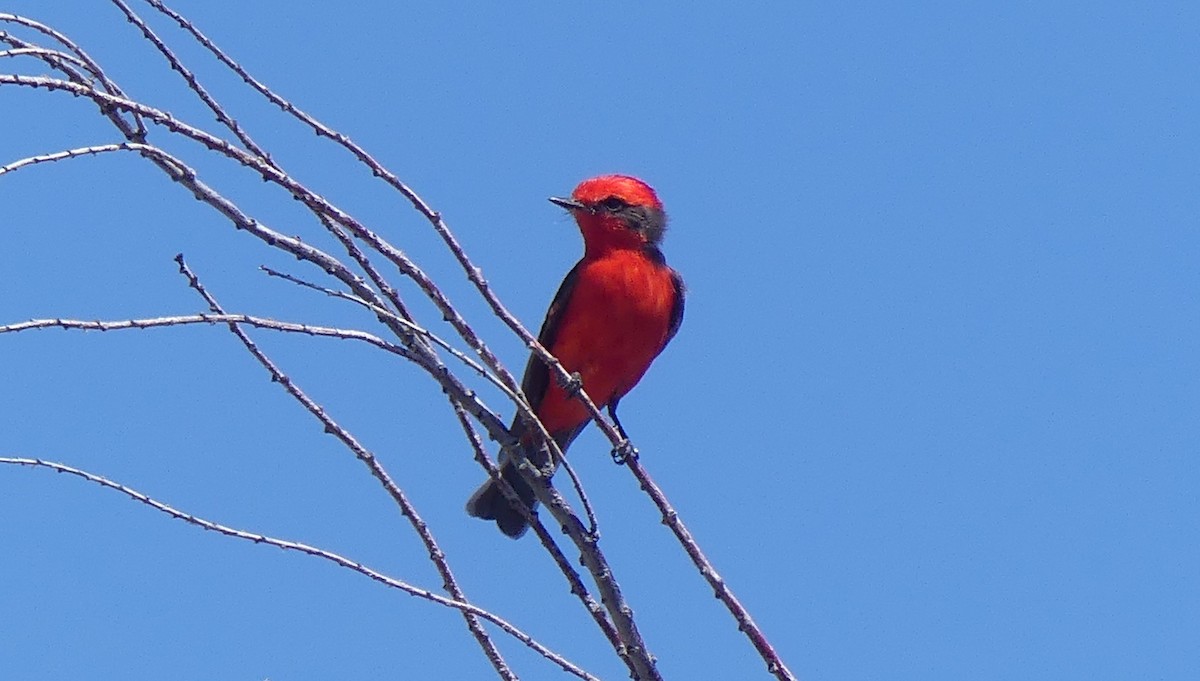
{"x":933,"y":411}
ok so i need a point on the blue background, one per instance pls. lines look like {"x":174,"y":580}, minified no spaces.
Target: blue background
{"x":932,"y":412}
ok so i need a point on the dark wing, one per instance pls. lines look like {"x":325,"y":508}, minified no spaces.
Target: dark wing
{"x":653,"y":252}
{"x":677,"y":311}
{"x":537,"y":376}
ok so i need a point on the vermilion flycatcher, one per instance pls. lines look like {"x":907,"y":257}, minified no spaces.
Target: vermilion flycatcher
{"x":616,"y":310}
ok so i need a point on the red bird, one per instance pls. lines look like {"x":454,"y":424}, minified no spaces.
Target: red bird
{"x":613,"y":314}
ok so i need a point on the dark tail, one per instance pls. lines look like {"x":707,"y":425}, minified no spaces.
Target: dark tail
{"x":489,"y":503}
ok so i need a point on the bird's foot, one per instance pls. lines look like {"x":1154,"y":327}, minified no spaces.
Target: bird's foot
{"x":624,"y":452}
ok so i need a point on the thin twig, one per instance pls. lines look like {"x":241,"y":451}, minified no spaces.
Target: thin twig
{"x":184,"y":320}
{"x":194,"y":84}
{"x":136,"y":134}
{"x":746,"y":624}
{"x":461,"y":605}
{"x":180,"y":172}
{"x":373,"y":465}
{"x":411,"y":326}
{"x":48,"y":56}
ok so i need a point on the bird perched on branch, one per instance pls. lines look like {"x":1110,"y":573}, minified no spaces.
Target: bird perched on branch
{"x":613,"y":314}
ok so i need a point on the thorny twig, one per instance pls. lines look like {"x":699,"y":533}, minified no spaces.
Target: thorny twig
{"x":462,"y":606}
{"x":449,"y":583}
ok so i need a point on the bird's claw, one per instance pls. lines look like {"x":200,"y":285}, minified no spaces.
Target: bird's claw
{"x":624,"y":452}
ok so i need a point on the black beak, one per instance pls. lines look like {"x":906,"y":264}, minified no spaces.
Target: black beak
{"x":569,"y":204}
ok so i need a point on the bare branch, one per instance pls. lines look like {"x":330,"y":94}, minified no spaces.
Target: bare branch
{"x":466,"y":608}
{"x":93,"y":150}
{"x":48,"y":56}
{"x":373,"y":465}
{"x":134,"y":134}
{"x":184,"y":320}
{"x":183,"y":174}
{"x":410,"y":325}
{"x":180,"y":172}
{"x":194,"y":84}
{"x":746,"y":624}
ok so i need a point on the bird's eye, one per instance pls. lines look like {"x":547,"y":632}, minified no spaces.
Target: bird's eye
{"x":612,"y":203}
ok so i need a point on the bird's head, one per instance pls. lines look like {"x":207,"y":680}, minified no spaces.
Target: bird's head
{"x":616,"y":211}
